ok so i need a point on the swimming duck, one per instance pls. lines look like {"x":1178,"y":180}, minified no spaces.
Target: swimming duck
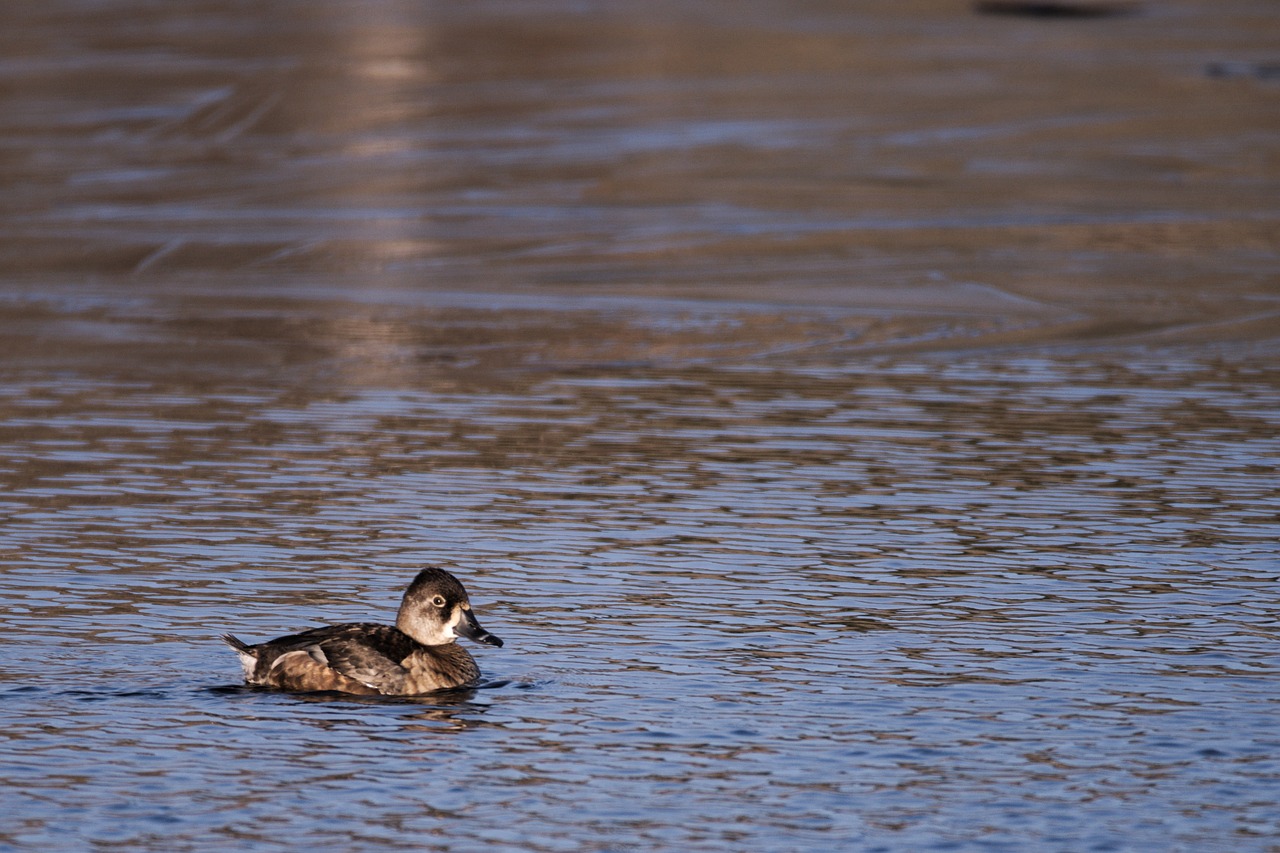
{"x":418,"y":655}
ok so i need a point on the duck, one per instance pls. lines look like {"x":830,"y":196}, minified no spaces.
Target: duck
{"x":417,"y":655}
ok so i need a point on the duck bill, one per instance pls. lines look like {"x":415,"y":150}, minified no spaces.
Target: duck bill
{"x":468,"y":627}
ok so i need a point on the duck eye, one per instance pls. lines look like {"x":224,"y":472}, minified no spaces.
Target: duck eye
{"x":438,"y":601}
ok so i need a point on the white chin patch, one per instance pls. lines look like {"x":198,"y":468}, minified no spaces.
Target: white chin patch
{"x":449,"y":631}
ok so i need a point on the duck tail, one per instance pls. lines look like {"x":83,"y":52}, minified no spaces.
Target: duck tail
{"x":235,"y":643}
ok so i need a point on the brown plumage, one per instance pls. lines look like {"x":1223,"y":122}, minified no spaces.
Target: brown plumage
{"x":418,"y":655}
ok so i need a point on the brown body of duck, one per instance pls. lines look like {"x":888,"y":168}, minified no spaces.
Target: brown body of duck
{"x":417,"y":655}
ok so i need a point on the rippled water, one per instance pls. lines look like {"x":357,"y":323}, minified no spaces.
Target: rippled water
{"x":890,"y":603}
{"x":856,"y":448}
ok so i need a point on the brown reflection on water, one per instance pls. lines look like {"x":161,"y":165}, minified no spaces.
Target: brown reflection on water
{"x":1060,"y":181}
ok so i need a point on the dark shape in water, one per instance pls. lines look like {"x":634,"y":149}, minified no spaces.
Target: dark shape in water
{"x":1237,"y":70}
{"x":1054,"y":8}
{"x":416,"y":656}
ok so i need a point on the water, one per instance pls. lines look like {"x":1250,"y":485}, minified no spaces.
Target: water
{"x":857,"y":444}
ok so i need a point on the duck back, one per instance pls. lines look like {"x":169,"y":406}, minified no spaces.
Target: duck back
{"x":361,"y":658}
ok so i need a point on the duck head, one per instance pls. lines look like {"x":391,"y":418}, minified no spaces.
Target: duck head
{"x":436,"y":610}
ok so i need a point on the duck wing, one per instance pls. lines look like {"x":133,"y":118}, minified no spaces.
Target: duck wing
{"x":373,"y":656}
{"x":353,"y":658}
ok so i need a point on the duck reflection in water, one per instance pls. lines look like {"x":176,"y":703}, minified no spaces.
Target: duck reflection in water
{"x":416,"y":656}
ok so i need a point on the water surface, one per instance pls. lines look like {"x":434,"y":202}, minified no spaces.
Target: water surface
{"x":859,"y":423}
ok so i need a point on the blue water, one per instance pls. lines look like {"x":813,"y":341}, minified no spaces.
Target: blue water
{"x":961,"y":608}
